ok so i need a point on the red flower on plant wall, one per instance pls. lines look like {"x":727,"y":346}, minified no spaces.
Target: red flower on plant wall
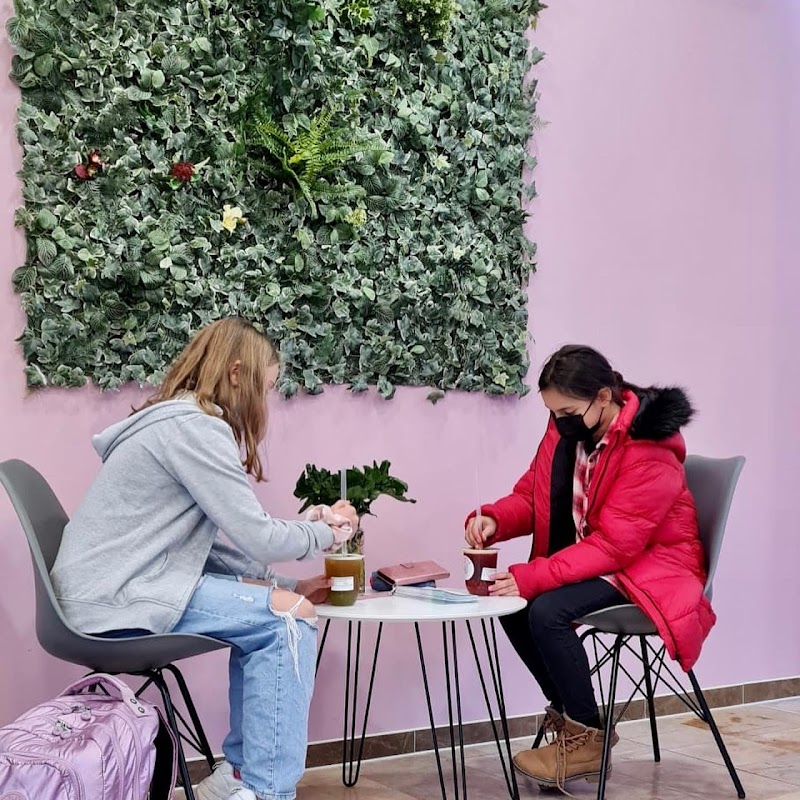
{"x":94,"y":163}
{"x":90,"y":168}
{"x":182,"y":171}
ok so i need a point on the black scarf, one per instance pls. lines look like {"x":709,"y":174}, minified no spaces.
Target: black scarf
{"x":562,"y":522}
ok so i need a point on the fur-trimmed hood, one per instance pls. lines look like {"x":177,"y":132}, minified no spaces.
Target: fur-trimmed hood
{"x":662,"y":413}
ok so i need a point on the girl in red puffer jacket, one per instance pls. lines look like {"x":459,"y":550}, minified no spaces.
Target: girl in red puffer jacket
{"x":613,"y":522}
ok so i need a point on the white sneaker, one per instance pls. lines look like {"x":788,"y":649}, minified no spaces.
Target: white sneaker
{"x":242,"y":794}
{"x":219,"y":785}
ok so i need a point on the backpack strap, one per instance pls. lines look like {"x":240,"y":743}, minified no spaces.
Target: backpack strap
{"x":166,"y":766}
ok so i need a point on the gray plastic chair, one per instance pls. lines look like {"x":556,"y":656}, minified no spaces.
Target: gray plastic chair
{"x":712,"y":483}
{"x":43,"y":520}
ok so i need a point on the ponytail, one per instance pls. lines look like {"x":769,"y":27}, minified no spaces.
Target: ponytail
{"x":624,"y":386}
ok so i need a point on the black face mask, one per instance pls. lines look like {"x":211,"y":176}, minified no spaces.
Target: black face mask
{"x":573,"y":428}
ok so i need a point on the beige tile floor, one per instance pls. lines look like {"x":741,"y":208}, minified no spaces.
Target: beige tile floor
{"x":763,"y":739}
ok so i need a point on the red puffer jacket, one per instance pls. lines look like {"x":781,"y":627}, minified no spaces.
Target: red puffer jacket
{"x":641,"y":519}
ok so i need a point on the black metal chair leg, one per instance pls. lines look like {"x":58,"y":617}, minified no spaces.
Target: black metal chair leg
{"x":651,"y":706}
{"x":609,"y":718}
{"x":169,"y":710}
{"x":723,"y":751}
{"x":202,"y":739}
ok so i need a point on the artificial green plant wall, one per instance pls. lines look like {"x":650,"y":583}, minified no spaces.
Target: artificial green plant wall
{"x":165,"y":149}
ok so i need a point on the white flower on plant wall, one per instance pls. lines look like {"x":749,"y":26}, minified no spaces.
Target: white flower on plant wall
{"x":231,"y":217}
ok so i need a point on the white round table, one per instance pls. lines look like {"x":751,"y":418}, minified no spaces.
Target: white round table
{"x":383,"y":608}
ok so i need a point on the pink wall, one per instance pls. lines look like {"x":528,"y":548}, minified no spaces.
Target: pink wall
{"x":666,"y":230}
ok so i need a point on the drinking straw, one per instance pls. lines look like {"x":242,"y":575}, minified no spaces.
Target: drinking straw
{"x":343,"y":492}
{"x":478,"y":508}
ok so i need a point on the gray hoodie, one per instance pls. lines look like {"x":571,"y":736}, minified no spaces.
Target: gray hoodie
{"x":171,"y":480}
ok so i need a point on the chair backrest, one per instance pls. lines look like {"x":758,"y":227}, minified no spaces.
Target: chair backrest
{"x":43,"y":519}
{"x":712,"y":482}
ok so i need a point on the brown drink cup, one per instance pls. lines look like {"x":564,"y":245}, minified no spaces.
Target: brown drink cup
{"x":479,"y":569}
{"x":344,"y":572}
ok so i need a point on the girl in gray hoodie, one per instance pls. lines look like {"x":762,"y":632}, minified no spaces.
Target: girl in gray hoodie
{"x":143,"y":553}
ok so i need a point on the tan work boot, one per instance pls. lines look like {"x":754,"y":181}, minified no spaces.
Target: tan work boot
{"x":553,"y":723}
{"x":576,"y":753}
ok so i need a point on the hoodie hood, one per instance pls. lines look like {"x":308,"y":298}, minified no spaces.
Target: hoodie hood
{"x":662,"y":413}
{"x":106,"y":442}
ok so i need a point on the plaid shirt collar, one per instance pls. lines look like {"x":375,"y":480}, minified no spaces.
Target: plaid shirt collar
{"x":585,"y":463}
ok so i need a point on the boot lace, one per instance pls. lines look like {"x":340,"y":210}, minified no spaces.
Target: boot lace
{"x":553,"y":723}
{"x":567,"y":743}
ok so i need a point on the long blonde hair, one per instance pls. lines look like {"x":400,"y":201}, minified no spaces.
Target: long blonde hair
{"x":204,"y":369}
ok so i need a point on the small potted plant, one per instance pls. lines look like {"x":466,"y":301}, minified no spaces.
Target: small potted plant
{"x":322,"y":487}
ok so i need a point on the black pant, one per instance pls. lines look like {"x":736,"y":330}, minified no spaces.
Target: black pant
{"x":544,"y":638}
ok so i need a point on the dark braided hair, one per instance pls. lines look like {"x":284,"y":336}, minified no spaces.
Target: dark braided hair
{"x":580,"y":371}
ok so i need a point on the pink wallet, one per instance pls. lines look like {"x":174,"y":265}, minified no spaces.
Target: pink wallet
{"x":413,"y":572}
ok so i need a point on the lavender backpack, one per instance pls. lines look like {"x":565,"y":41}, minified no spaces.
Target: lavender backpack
{"x":104,"y":746}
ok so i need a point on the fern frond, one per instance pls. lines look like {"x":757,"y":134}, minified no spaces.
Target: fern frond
{"x":306,"y":190}
{"x":267,"y":168}
{"x":321,"y":123}
{"x":305,"y":161}
{"x":272,"y":138}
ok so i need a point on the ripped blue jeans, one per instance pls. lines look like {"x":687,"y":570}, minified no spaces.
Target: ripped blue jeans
{"x":271,"y":680}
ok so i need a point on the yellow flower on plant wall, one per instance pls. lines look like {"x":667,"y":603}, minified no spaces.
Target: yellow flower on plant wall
{"x":231,"y":217}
